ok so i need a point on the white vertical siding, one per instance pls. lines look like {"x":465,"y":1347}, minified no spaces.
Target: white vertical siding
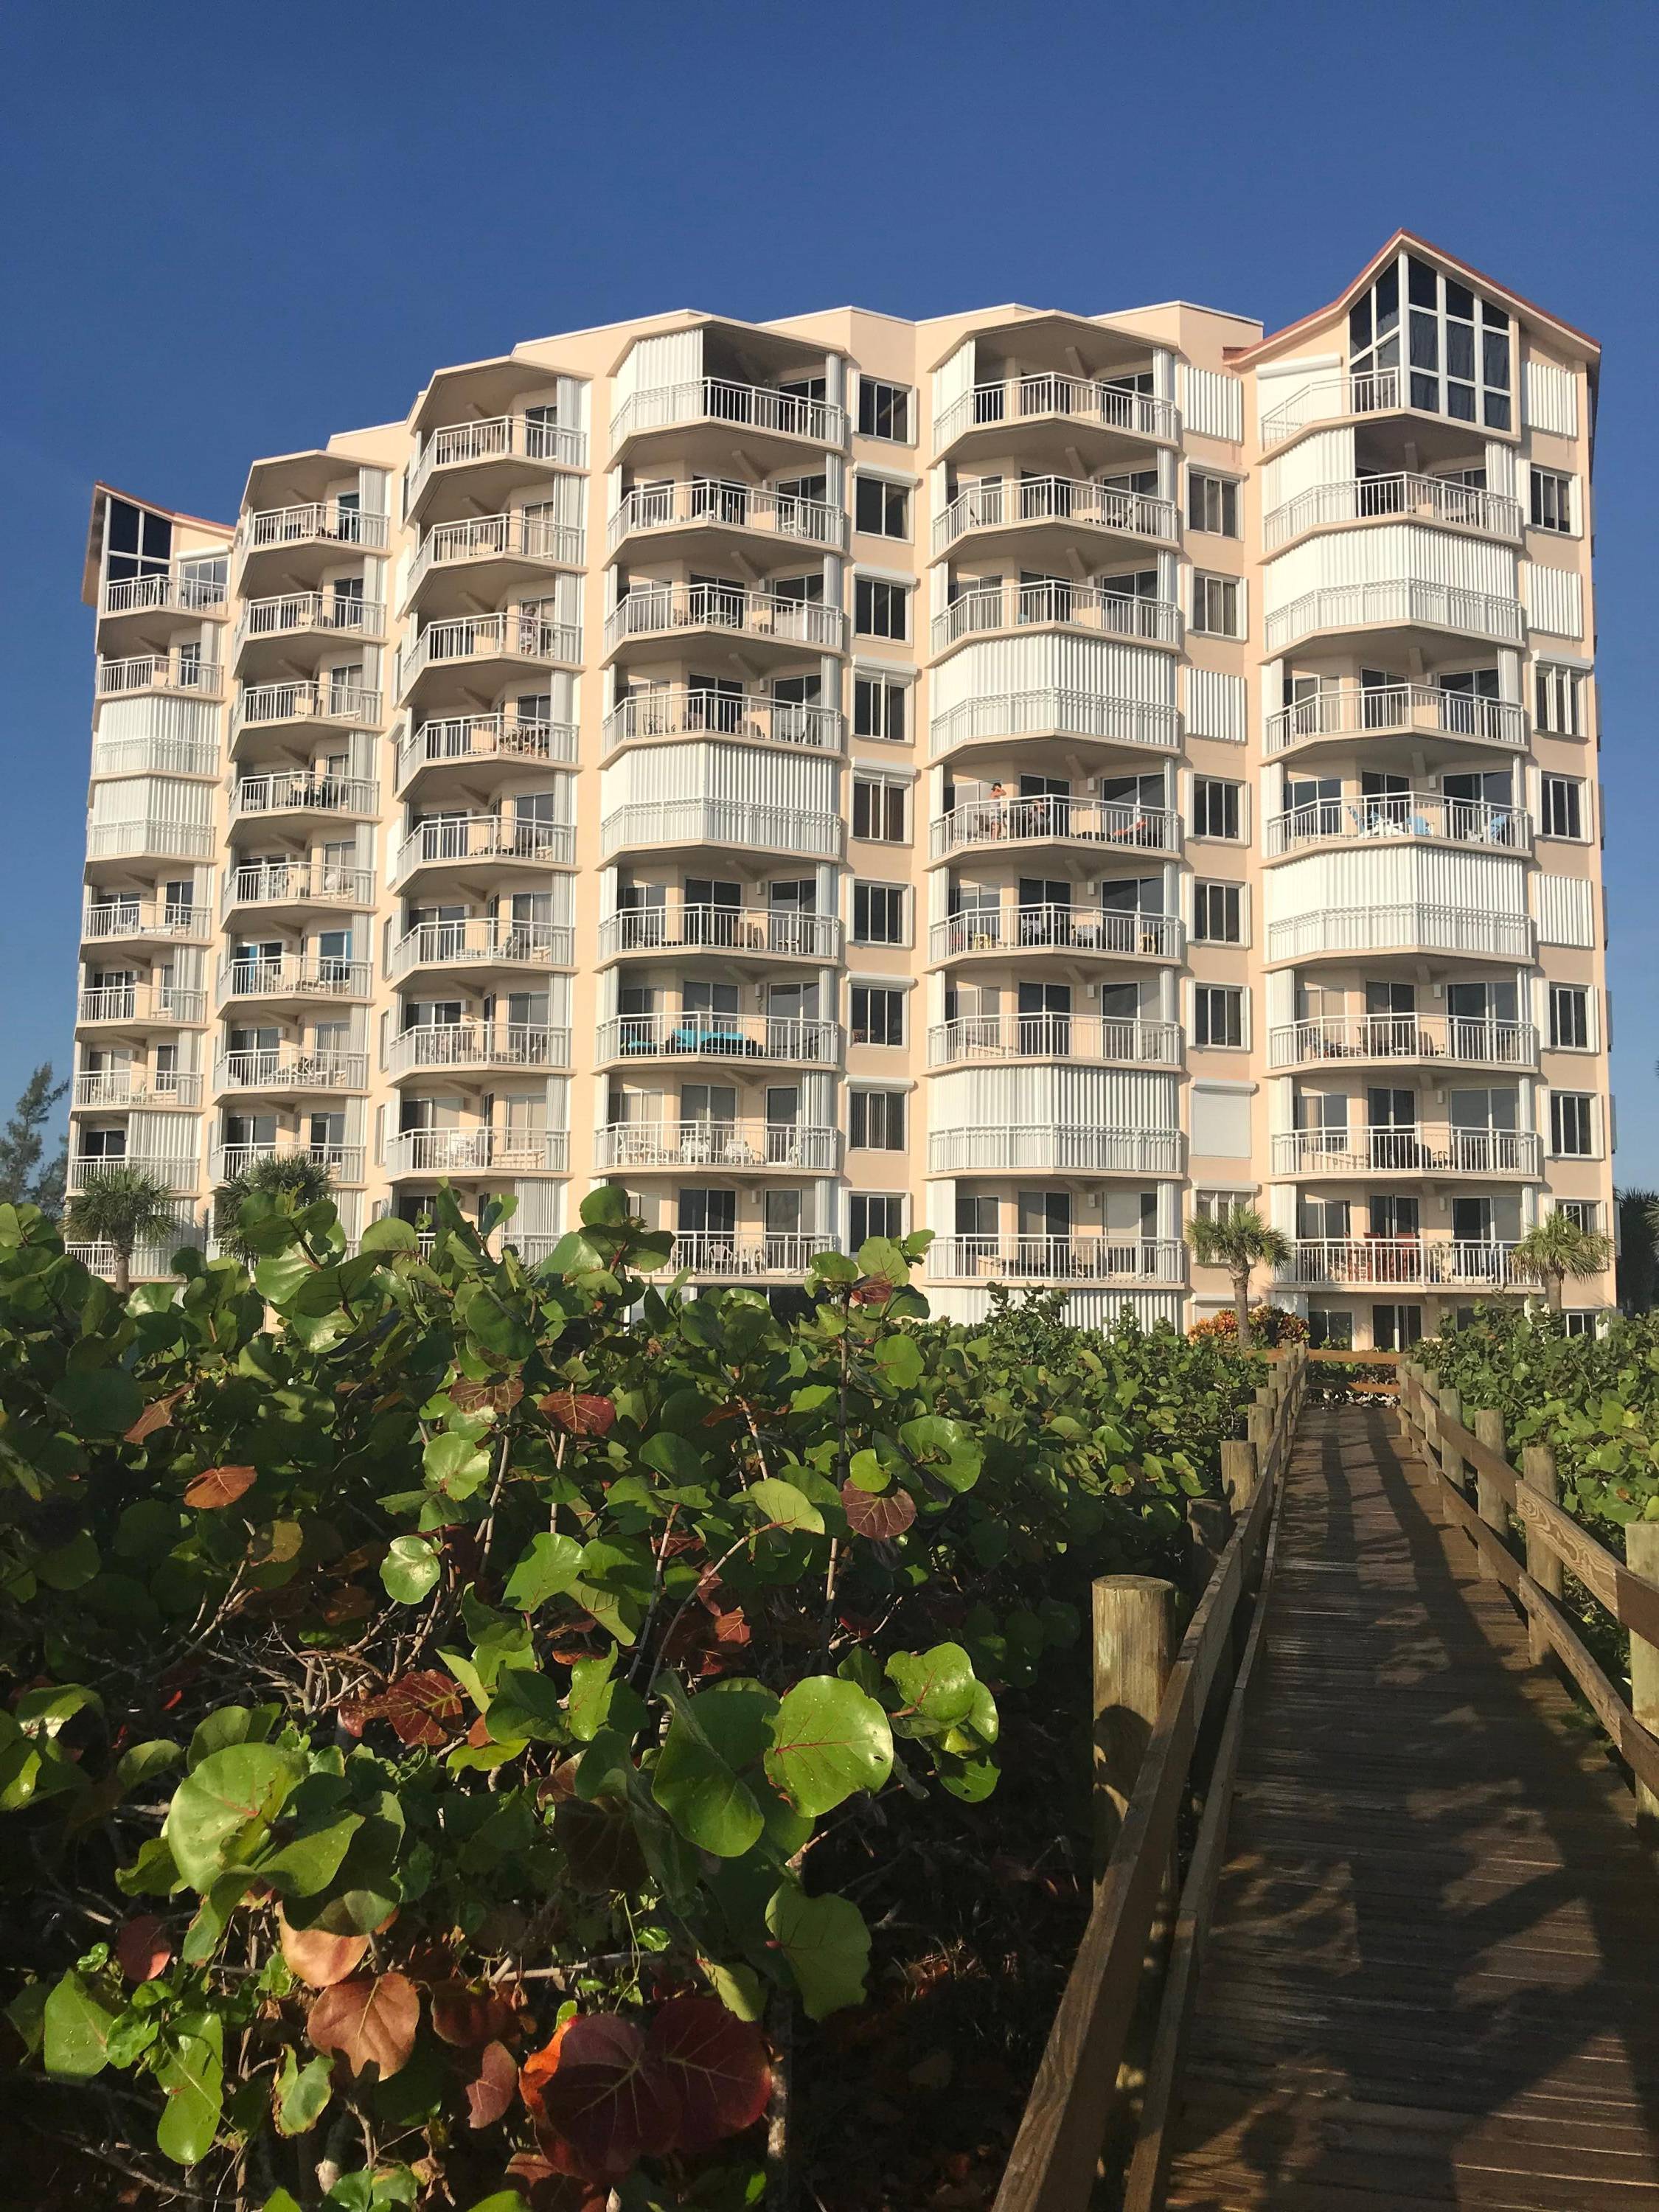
{"x":1326,"y":458}
{"x":1098,"y":1097}
{"x":152,"y":799}
{"x":1052,"y":661}
{"x":1500,"y":467}
{"x":1215,"y":705}
{"x":1552,"y":399}
{"x":1567,"y":910}
{"x":171,"y":1137}
{"x":1396,"y":875}
{"x":541,"y":1209}
{"x":954,"y":378}
{"x":669,"y":357}
{"x":1555,"y":599}
{"x":1212,"y":403}
{"x":656,"y":774}
{"x":1392,"y":553}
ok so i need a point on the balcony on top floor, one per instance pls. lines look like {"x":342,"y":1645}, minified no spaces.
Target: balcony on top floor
{"x":133,"y":1085}
{"x":136,"y":1008}
{"x":469,"y":1047}
{"x":1404,"y":604}
{"x":292,"y":979}
{"x":1424,"y":816}
{"x":1408,"y":927}
{"x":691,"y":710}
{"x":783,"y":1040}
{"x":1097,"y":826}
{"x":1414,"y":1150}
{"x":1056,"y":1147}
{"x":707,"y":1146}
{"x":295,"y":886}
{"x":978,"y":1040}
{"x":1410,"y":712}
{"x":1431,"y":1262}
{"x":1366,"y":401}
{"x":771,"y":624}
{"x":158,"y":671}
{"x":484,"y":1151}
{"x":696,"y":827}
{"x":764,"y":934}
{"x":130,"y":918}
{"x":289,"y":1071}
{"x":284,"y":711}
{"x":704,"y":418}
{"x":481,"y":944}
{"x":1094,"y":609}
{"x":466,"y":850}
{"x":680,"y":519}
{"x":1397,"y":495}
{"x":470,"y":652}
{"x":178,"y":1175}
{"x":466,"y":742}
{"x":1043,"y":519}
{"x":1403,"y":1039}
{"x":1053,"y":413}
{"x":1130,"y":1261}
{"x":479,"y":463}
{"x":343,"y":1163}
{"x":301,"y":793}
{"x":1095,"y":931}
{"x":487,"y":555}
{"x":269,"y":632}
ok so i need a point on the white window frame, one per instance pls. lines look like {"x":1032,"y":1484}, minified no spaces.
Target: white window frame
{"x":1586,"y":1211}
{"x":889,"y":486}
{"x":1587,"y":995}
{"x":876,"y":779}
{"x":887,"y":683}
{"x":894,"y":988}
{"x":1202,"y":578}
{"x":1560,"y":490}
{"x":1241,"y":791}
{"x":1239,"y":892}
{"x":1575,"y":784}
{"x":887,"y":1092}
{"x":901,"y":892}
{"x":1592,"y":1149}
{"x":1241,"y":991}
{"x":899,"y":1198}
{"x":1223,"y":484}
{"x":904,"y":587}
{"x":1560,"y":681}
{"x":885,"y":384}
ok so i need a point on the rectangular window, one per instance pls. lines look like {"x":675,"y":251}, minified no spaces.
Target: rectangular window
{"x":877,"y":1122}
{"x":1218,"y":1014}
{"x":1219,"y":1205}
{"x":885,"y":410}
{"x":1211,"y":504}
{"x":880,"y":509}
{"x":1552,"y":500}
{"x":1216,"y":605}
{"x":1579,"y":1321}
{"x":1583,"y":1213}
{"x":874,"y":1213}
{"x":1563,"y":807}
{"x":1570,"y":1030}
{"x":880,"y":709}
{"x":879,"y":914}
{"x":1329,"y":1329}
{"x":1560,"y":699}
{"x":878,"y":1015}
{"x":1218,"y":913}
{"x":881,"y":609}
{"x":1572,"y":1124}
{"x":1216,"y":810}
{"x":880,"y":810}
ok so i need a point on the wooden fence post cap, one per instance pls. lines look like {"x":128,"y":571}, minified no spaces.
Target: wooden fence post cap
{"x":1131,"y":1582}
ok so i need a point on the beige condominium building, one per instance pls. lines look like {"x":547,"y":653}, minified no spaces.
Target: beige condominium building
{"x":1028,"y":775}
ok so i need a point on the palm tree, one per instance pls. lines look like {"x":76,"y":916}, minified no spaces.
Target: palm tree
{"x":1639,"y":1249}
{"x":300,"y":1176}
{"x":1238,"y":1242}
{"x":123,"y":1206}
{"x":1558,"y":1247}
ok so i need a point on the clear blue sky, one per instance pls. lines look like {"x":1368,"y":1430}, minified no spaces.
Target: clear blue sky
{"x":232,"y":232}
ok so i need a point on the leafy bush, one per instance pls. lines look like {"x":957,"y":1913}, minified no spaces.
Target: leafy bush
{"x":439,"y":1688}
{"x":1269,"y":1325}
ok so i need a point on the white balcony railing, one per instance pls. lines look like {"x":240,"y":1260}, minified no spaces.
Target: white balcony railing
{"x":1468,"y":1042}
{"x":735,"y":1257}
{"x":84,"y":1169}
{"x":977,"y":1037}
{"x":994,"y":716}
{"x":739,"y":822}
{"x":293,"y":975}
{"x":344,"y":1163}
{"x":783,"y":931}
{"x":304,"y":791}
{"x":1393,"y":815}
{"x":691,"y":711}
{"x":1092,"y":401}
{"x":160,"y":671}
{"x":1411,"y":600}
{"x":141,"y":1002}
{"x":484,"y":837}
{"x":349,"y":706}
{"x":297,"y":883}
{"x":151,"y":1261}
{"x":299,"y":613}
{"x":1055,"y":499}
{"x":1409,"y":497}
{"x":515,"y":634}
{"x":1090,"y":1259}
{"x":494,"y":538}
{"x":484,"y":941}
{"x":154,"y":756}
{"x":134,"y":917}
{"x":281,"y":1068}
{"x":139,"y":1086}
{"x":715,"y":503}
{"x":484,"y":1151}
{"x":718,"y":399}
{"x":1057,"y":818}
{"x":1329,"y":399}
{"x":497,"y":437}
{"x":1350,"y":710}
{"x":1417,"y":1149}
{"x":652,"y":610}
{"x":179,"y":592}
{"x":1423,"y":927}
{"x":717,"y":1146}
{"x":1437,"y":1262}
{"x":505,"y":737}
{"x":435,"y":1045}
{"x":1066,"y":1148}
{"x":184,"y":841}
{"x":1067,"y":928}
{"x":719,"y":1036}
{"x":322,"y":520}
{"x":1093,"y":607}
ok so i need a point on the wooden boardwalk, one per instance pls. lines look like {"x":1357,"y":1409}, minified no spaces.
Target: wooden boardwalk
{"x":1433,"y":1974}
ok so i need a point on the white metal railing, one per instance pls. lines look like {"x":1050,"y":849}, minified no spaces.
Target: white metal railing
{"x":717,"y":1145}
{"x":700,"y":1035}
{"x":1055,"y":499}
{"x":495,"y":437}
{"x":1082,"y":1148}
{"x":717,"y":398}
{"x":1473,"y":1041}
{"x":648,"y":609}
{"x":1055,"y":712}
{"x":293,"y":975}
{"x":1353,"y":710}
{"x":1092,"y":400}
{"x":154,"y":756}
{"x":483,"y":940}
{"x":1412,"y":927}
{"x":139,"y":1086}
{"x":719,"y":502}
{"x":480,"y":1151}
{"x":184,"y":593}
{"x":1054,"y":1036}
{"x":1415,"y":1149}
{"x":304,"y":791}
{"x":1075,"y":929}
{"x":1414,"y":599}
{"x":497,"y":537}
{"x":326,"y":518}
{"x":158,"y":671}
{"x":1057,"y":818}
{"x":736,"y":1255}
{"x":484,"y":837}
{"x":1089,"y":607}
{"x":141,"y":1002}
{"x":485,"y":737}
{"x":344,"y":1163}
{"x":513,"y":634}
{"x":132,"y":917}
{"x":478,"y":1044}
{"x":296,"y":882}
{"x":781,"y":930}
{"x":294,"y":613}
{"x":187,"y":841}
{"x":1454,"y":1263}
{"x":723,"y":822}
{"x":693,"y":711}
{"x":1060,"y":1259}
{"x":1330,"y":398}
{"x":283,"y":1068}
{"x":85,"y":1169}
{"x":1390,"y":815}
{"x":1407,"y":495}
{"x":260,"y":705}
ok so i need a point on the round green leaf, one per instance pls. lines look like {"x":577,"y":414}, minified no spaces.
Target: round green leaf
{"x":785,"y":1507}
{"x":193,"y":2078}
{"x":409,"y":1570}
{"x":938,"y":1685}
{"x":220,"y":1811}
{"x":713,"y":1741}
{"x":546,"y":1568}
{"x":827,"y":1945}
{"x":76,"y":2030}
{"x":828,"y":1739}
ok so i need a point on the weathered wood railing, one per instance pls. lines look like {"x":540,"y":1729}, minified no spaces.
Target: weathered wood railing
{"x":1432,"y":1417}
{"x":1150,"y":1715}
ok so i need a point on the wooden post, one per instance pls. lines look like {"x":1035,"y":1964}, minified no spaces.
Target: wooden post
{"x":1642,"y":1558}
{"x":1209,"y":1524}
{"x":1451,"y":1461}
{"x":1543,"y":1564}
{"x":1135,"y":1643}
{"x":1259,"y":1428}
{"x":1238,"y":1476}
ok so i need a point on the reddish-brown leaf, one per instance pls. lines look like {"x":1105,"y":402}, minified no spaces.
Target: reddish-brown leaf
{"x":549,"y":2185}
{"x":708,"y":1641}
{"x":873,"y":1291}
{"x":580,"y":1413}
{"x":606,"y":2100}
{"x":348,"y":1603}
{"x":369,"y":2022}
{"x":493,"y":2087}
{"x":219,"y":1485}
{"x":718,"y":2065}
{"x":601,"y":1848}
{"x":469,"y":2017}
{"x":158,"y":1414}
{"x":867,"y":1515}
{"x":319,"y":1959}
{"x":143,"y":1948}
{"x":467,"y":1397}
{"x":422,"y":1708}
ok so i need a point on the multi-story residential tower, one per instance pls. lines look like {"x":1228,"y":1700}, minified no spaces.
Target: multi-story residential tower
{"x":1029,"y":774}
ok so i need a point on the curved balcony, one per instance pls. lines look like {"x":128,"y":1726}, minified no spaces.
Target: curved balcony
{"x":1412,"y":927}
{"x":487,"y":553}
{"x":1041,"y":517}
{"x":85,"y":1169}
{"x":739,"y":1258}
{"x":1065,"y":403}
{"x":697,"y":824}
{"x":139,"y":1086}
{"x":468,"y":840}
{"x":292,"y":977}
{"x":297,"y":884}
{"x":1067,"y":716}
{"x":689,"y":711}
{"x":1404,"y":496}
{"x":676,"y":516}
{"x":654,"y":612}
{"x":789,"y":1040}
{"x":171,"y":591}
{"x":150,"y":1261}
{"x":488,"y":648}
{"x":1407,"y":604}
{"x":485,"y":460}
{"x":466,"y":1047}
{"x":1360,"y":1262}
{"x":153,"y":756}
{"x":477,"y":1152}
{"x":1057,"y":819}
{"x":1423,"y":815}
{"x":978,"y":1038}
{"x":304,"y":792}
{"x":280,"y":1071}
{"x":1092,"y":608}
{"x":1413,"y":710}
{"x":1411,"y":1038}
{"x":140,"y":1006}
{"x":722,"y":1147}
{"x":1063,"y":1148}
{"x":466,"y":740}
{"x":267,"y":627}
{"x":1424,"y":1150}
{"x":1057,"y":929}
{"x":1093,"y":1259}
{"x":131,"y":920}
{"x":1332,"y":400}
{"x":147,"y":838}
{"x":773,"y":421}
{"x":281,"y":709}
{"x":764,"y":932}
{"x":317,"y":527}
{"x":482,"y":943}
{"x":158,"y":671}
{"x":344,"y":1163}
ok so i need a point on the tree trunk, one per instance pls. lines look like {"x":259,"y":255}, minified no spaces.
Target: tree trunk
{"x":1242,"y":1308}
{"x":1555,"y":1284}
{"x":123,"y":1270}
